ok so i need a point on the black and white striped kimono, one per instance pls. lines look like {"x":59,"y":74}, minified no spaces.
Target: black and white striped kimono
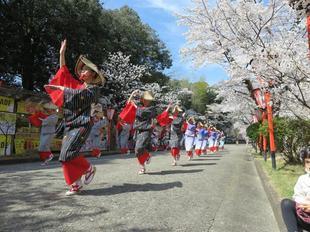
{"x":143,"y":127}
{"x":176,"y":133}
{"x":77,"y":119}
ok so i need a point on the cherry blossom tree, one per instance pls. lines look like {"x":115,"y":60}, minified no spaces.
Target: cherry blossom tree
{"x":252,"y":39}
{"x":124,"y":78}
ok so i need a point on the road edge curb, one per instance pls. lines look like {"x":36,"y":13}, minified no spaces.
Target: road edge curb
{"x":272,"y":195}
{"x":29,"y":159}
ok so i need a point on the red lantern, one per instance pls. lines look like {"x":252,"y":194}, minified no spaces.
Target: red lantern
{"x":259,"y":98}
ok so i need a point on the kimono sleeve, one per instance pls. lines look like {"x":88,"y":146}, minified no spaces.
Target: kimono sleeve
{"x":163,"y":118}
{"x":128,"y":114}
{"x":62,"y":78}
{"x":35,"y":119}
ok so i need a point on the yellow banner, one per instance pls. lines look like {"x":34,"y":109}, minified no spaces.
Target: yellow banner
{"x":5,"y":143}
{"x":25,"y":144}
{"x":21,"y":107}
{"x":22,"y":145}
{"x":6,"y":104}
{"x":56,"y":145}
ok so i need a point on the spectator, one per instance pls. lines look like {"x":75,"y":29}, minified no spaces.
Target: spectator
{"x":296,"y":212}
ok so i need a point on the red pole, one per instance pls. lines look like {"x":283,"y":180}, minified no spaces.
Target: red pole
{"x":270,"y":129}
{"x":308,"y":29}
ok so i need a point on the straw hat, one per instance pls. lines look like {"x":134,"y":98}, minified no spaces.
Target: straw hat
{"x":148,"y":95}
{"x":191,"y":118}
{"x":100,"y":79}
{"x":50,"y":106}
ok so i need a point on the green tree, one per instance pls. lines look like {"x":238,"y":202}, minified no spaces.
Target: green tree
{"x":132,"y":37}
{"x":200,"y":97}
{"x":31,"y":32}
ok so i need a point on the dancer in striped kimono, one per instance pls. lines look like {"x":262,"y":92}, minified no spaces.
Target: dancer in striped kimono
{"x":144,"y":124}
{"x":76,"y":97}
{"x":176,"y":134}
{"x":190,"y":134}
{"x":47,"y":132}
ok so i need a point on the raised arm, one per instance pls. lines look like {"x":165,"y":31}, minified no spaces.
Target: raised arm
{"x":62,"y":59}
{"x":132,"y":95}
{"x":169,"y":106}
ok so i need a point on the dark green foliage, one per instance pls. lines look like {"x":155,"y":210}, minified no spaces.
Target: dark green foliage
{"x":202,"y":94}
{"x":31,"y":32}
{"x":291,"y":135}
{"x":253,"y":131}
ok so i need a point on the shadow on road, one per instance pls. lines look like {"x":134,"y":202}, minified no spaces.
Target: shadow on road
{"x":196,"y":164}
{"x":126,"y":188}
{"x":168,"y":172}
{"x":204,"y":159}
{"x":211,"y":156}
{"x":36,"y":202}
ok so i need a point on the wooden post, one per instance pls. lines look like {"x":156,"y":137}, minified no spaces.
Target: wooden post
{"x":264,"y":138}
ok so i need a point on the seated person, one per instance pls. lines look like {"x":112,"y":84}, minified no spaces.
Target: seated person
{"x":296,"y":212}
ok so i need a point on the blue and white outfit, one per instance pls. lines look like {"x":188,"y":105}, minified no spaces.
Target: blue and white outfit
{"x":190,"y":136}
{"x":199,"y":141}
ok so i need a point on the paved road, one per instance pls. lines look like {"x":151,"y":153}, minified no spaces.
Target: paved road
{"x":217,"y":192}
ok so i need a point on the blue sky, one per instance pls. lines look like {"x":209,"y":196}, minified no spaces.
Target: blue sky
{"x":160,"y":15}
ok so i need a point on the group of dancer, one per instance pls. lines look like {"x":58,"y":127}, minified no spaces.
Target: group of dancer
{"x":82,"y":114}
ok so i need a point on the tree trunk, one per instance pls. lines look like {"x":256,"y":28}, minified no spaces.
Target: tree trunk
{"x":27,"y":64}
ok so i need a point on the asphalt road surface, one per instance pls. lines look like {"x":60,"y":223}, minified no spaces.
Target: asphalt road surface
{"x":217,"y":192}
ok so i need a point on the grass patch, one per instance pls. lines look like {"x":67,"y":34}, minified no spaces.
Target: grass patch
{"x":284,"y":178}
